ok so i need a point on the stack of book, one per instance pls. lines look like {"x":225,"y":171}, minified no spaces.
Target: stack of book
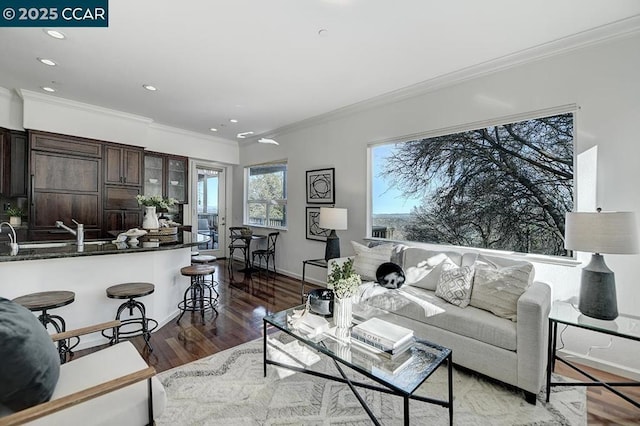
{"x":389,"y":340}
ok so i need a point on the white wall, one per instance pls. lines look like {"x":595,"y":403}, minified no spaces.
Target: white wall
{"x":601,"y":79}
{"x":36,"y":111}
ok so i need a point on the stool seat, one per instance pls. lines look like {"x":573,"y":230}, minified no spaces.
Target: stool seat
{"x":129,"y":290}
{"x":195,"y":253}
{"x":203,"y":258}
{"x":45,"y":300}
{"x":197,"y":270}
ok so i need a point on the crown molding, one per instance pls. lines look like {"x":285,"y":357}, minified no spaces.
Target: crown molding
{"x":5,"y":93}
{"x":80,"y":106}
{"x":192,"y":134}
{"x":616,"y":30}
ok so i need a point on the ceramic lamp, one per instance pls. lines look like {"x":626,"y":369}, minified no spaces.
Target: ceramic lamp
{"x":600,"y":232}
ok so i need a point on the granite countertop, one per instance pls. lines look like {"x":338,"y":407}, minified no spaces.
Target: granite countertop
{"x":59,"y":249}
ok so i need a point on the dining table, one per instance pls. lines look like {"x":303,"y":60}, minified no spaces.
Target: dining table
{"x":248,"y":240}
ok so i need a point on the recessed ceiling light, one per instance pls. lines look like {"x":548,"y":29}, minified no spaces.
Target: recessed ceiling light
{"x":323,"y":33}
{"x":213,"y":129}
{"x":48,"y":89}
{"x":244,"y":134}
{"x":55,"y":34}
{"x":47,"y":62}
{"x":269,"y":141}
{"x":150,"y":87}
{"x":233,"y":120}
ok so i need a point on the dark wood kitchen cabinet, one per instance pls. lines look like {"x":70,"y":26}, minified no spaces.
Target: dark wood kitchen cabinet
{"x":13,"y":163}
{"x":167,"y":176}
{"x":121,"y":209}
{"x":65,"y":184}
{"x":123,"y":165}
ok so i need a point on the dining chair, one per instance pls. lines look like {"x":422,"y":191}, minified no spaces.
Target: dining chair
{"x":237,"y":241}
{"x":269,"y":252}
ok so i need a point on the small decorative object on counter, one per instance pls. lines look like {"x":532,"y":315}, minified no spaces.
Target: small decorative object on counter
{"x":15,"y":216}
{"x":150,"y":204}
{"x":345,"y":284}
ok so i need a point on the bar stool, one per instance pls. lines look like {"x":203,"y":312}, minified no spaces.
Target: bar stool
{"x":199,"y":296}
{"x":131,"y":291}
{"x":42,"y":302}
{"x":206,"y":259}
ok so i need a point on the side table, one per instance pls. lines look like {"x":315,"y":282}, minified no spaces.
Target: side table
{"x":320,"y":263}
{"x":624,"y":326}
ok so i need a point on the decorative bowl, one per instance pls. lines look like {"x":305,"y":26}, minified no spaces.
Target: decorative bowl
{"x":153,"y":180}
{"x":321,"y":301}
{"x":174,"y":182}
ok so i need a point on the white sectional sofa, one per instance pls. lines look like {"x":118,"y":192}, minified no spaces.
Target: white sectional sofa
{"x":500,"y":330}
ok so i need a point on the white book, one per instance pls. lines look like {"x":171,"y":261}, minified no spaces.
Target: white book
{"x":383,"y":332}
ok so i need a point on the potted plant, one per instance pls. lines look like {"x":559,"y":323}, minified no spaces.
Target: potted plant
{"x":151,"y":203}
{"x":345,"y":283}
{"x":15,"y":215}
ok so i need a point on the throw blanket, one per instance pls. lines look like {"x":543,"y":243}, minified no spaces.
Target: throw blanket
{"x":391,"y":300}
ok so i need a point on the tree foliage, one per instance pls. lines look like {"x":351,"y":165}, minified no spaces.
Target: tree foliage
{"x":504,"y":187}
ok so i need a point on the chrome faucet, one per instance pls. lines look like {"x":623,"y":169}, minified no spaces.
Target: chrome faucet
{"x":79,"y":233}
{"x":13,"y":240}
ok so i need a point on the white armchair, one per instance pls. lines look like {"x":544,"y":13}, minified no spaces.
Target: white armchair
{"x":111,"y":386}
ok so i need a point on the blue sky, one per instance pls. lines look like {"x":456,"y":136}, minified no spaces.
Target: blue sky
{"x":386,"y":199}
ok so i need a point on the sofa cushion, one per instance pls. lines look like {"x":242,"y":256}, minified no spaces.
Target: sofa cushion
{"x":30,"y":364}
{"x":421,"y":266}
{"x":454,"y":284}
{"x":367,"y":259}
{"x":497,"y":288}
{"x":470,"y":322}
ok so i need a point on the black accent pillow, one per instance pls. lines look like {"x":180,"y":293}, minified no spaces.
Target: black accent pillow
{"x":29,"y":361}
{"x":390,"y":275}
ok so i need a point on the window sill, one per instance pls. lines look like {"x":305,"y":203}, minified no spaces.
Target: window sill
{"x":278,"y":228}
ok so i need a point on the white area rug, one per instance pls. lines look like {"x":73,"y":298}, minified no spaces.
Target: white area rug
{"x":228,"y":388}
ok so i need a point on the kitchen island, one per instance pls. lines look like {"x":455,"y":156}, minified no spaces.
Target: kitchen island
{"x":48,"y":266}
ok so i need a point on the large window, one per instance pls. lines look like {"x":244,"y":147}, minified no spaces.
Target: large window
{"x":266,"y":195}
{"x":504,"y":187}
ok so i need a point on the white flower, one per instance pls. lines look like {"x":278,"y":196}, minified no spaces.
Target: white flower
{"x":343,"y":280}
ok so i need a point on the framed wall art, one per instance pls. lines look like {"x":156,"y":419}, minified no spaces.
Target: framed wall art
{"x":321,"y":186}
{"x":314,"y":232}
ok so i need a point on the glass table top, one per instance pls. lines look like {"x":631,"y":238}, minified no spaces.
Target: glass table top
{"x":404,"y":373}
{"x":626,"y":326}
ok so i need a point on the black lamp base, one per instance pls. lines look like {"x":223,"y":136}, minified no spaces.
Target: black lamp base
{"x":332,"y":250}
{"x":598,"y":290}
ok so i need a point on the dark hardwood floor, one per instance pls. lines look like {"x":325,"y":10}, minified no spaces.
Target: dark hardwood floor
{"x":243,"y":303}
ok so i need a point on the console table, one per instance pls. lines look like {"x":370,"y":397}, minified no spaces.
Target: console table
{"x":624,"y":326}
{"x":320,"y":263}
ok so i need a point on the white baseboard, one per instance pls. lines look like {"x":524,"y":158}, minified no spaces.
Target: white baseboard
{"x":609,"y":367}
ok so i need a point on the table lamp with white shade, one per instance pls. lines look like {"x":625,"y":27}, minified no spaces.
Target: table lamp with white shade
{"x":600,"y":232}
{"x":334,"y":219}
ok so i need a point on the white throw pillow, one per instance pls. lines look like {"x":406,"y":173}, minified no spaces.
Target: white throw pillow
{"x":455,"y":283}
{"x":422,"y":267}
{"x":367,"y":259}
{"x":497,"y":289}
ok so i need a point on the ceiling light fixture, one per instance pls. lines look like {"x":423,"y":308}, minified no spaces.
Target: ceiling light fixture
{"x":267,"y":140}
{"x":47,"y":62}
{"x":55,"y":34}
{"x":243,"y":135}
{"x":48,"y":89}
{"x":233,"y":120}
{"x":323,"y":33}
{"x":213,"y":129}
{"x":150,"y":87}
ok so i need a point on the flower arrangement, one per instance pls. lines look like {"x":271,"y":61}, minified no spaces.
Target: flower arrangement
{"x":343,"y":280}
{"x":156,"y":201}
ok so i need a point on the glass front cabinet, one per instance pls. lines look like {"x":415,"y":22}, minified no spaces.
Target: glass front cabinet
{"x":166,"y":175}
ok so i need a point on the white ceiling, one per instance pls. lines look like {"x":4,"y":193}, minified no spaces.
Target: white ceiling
{"x":264,"y":63}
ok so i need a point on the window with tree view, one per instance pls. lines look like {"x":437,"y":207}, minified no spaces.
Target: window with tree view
{"x":503,"y":187}
{"x":266,"y":189}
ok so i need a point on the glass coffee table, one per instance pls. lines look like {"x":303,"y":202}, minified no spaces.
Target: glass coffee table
{"x":425,"y":358}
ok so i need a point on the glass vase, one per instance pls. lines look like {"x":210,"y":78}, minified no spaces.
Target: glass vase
{"x":343,"y":312}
